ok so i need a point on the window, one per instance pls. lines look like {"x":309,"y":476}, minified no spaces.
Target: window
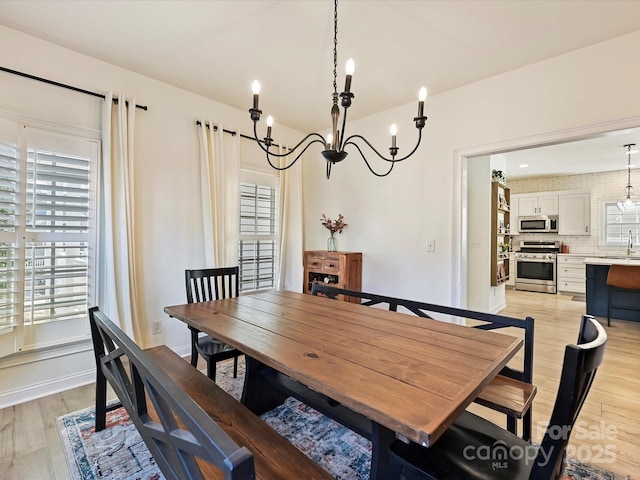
{"x":617,"y":226}
{"x":258,"y":234}
{"x":47,"y":236}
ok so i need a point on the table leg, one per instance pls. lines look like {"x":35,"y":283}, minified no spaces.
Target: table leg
{"x":258,"y":394}
{"x":381,"y":440}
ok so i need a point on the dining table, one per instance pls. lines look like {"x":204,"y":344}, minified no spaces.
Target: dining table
{"x":384,"y":374}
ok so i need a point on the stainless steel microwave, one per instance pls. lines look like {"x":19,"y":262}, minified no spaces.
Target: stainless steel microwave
{"x":538,"y":224}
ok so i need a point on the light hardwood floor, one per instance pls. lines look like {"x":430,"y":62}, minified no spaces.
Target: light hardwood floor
{"x":30,"y":446}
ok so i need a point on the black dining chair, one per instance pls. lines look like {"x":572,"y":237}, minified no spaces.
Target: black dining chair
{"x":474,"y":448}
{"x":202,"y":286}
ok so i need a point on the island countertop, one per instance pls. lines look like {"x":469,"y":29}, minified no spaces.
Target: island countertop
{"x":613,"y":260}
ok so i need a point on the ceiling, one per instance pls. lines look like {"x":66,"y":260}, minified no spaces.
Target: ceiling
{"x":217,"y":48}
{"x":604,"y":153}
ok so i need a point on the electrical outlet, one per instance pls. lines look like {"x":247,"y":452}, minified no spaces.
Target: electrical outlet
{"x":431,"y":245}
{"x":156,"y":328}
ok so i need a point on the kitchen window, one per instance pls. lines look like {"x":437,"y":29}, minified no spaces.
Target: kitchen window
{"x":258,"y":232}
{"x":617,"y":225}
{"x":47,"y":236}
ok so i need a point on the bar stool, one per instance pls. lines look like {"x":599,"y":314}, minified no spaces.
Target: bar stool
{"x":622,"y":278}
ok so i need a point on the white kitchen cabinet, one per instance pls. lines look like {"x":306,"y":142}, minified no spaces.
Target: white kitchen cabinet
{"x":571,"y":276}
{"x":537,"y":205}
{"x":574,"y":214}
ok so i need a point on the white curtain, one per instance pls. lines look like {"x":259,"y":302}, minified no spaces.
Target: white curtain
{"x":290,"y":239}
{"x":220,"y":184}
{"x":120,"y":282}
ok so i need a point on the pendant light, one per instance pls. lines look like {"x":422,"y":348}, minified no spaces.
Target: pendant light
{"x":629,"y":203}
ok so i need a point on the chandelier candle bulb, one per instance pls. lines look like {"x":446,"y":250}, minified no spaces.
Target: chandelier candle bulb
{"x":269,"y":125}
{"x":422,"y":96}
{"x":394,"y":131}
{"x":349,"y":69}
{"x":329,"y":141}
{"x":255,"y":88}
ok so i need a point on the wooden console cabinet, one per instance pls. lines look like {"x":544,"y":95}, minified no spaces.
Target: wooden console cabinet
{"x":342,"y":269}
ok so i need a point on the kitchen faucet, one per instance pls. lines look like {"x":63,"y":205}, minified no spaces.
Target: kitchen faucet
{"x":630,"y":244}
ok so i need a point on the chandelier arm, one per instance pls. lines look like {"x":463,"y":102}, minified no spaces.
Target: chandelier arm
{"x":351,"y":142}
{"x":295,"y":159}
{"x":368,"y":165}
{"x":266,"y":150}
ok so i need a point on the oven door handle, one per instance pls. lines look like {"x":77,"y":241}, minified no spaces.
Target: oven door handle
{"x":535,"y":260}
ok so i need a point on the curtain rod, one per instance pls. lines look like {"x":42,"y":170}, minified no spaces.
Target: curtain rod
{"x":63,"y":85}
{"x":233,"y":134}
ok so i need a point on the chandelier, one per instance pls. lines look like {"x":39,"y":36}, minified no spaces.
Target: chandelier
{"x":336,"y":142}
{"x":629,"y":203}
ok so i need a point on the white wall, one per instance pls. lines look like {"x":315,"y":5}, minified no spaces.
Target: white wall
{"x":391,"y":219}
{"x":167,"y":183}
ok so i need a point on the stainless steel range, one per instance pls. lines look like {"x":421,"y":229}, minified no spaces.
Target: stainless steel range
{"x":536,"y":266}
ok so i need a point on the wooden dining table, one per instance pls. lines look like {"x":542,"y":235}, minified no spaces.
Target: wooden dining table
{"x":383,"y":374}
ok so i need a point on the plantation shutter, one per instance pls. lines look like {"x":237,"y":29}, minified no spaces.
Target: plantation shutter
{"x":57,"y":222}
{"x":258,"y":235}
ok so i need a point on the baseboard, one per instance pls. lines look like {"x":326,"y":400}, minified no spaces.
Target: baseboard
{"x":39,"y":390}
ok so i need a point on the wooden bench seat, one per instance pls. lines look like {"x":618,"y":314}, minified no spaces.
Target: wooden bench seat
{"x":510,"y":392}
{"x":273,"y":456}
{"x":508,"y":395}
{"x":192,"y":427}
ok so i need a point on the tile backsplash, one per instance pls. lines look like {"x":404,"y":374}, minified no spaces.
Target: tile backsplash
{"x":604,"y":186}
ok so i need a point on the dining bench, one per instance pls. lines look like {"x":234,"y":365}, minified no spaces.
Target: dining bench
{"x":511,"y":392}
{"x":192,"y":427}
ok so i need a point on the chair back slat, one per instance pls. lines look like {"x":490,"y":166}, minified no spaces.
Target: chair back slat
{"x":208,"y":284}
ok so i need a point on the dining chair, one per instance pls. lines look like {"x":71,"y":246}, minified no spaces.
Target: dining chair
{"x":474,"y":448}
{"x":202,"y":286}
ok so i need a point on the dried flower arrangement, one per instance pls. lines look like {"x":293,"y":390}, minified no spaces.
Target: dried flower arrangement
{"x":333,"y":225}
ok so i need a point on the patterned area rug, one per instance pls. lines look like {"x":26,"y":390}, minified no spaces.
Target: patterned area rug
{"x":118,"y":452}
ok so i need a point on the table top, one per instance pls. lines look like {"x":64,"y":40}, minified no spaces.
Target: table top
{"x":411,"y":374}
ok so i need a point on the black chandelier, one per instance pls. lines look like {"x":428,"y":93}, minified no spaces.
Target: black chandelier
{"x":336,"y":141}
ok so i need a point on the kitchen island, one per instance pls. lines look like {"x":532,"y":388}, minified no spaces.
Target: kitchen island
{"x":598,"y":291}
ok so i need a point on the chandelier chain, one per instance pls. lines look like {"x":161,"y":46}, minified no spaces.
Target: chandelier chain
{"x":335,"y":46}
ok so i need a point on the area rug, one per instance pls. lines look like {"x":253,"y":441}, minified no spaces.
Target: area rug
{"x":118,"y":452}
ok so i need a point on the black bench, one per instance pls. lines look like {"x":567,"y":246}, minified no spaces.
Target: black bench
{"x":192,"y":427}
{"x":511,"y":392}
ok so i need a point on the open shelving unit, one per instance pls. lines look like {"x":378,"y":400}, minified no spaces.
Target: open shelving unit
{"x":500,"y":234}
